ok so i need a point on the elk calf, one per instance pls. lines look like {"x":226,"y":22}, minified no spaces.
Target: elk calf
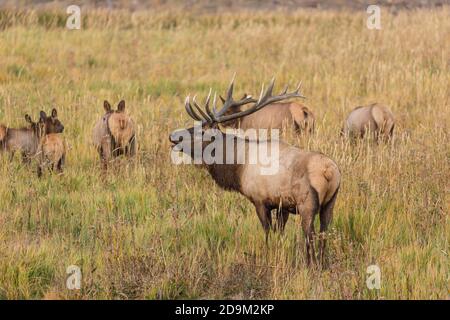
{"x":114,"y":134}
{"x":305,"y":183}
{"x":52,"y":153}
{"x":375,"y":119}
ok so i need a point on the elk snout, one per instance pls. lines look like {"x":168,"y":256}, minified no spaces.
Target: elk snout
{"x":174,"y":138}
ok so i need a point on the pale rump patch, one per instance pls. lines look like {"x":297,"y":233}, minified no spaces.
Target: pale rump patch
{"x":324,"y":177}
{"x":302,"y":116}
{"x":379,"y":116}
{"x":122,"y":129}
{"x":53,"y":148}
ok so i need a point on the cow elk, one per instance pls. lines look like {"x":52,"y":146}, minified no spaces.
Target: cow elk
{"x":375,"y":119}
{"x":51,"y":151}
{"x":305,"y":183}
{"x":114,"y":134}
{"x":25,"y":140}
{"x":279,"y":115}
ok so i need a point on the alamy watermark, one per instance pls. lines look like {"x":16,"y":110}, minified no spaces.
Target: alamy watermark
{"x":74,"y":20}
{"x":374,"y":18}
{"x":232,"y":146}
{"x":73,"y":281}
{"x":373,"y":281}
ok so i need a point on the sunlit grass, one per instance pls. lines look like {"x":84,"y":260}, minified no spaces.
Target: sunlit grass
{"x":154,"y":230}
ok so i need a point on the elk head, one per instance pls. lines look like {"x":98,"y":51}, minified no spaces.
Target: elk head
{"x":185,"y":140}
{"x":52,"y":123}
{"x":38,"y":128}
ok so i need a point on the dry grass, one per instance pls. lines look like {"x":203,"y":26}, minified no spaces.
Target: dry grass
{"x":155,"y":230}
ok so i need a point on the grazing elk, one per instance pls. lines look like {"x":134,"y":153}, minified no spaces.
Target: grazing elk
{"x":114,"y":134}
{"x":279,"y":115}
{"x":305,"y":183}
{"x":27,"y":139}
{"x":375,"y":119}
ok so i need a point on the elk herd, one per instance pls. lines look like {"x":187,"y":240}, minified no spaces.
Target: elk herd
{"x":306,"y":183}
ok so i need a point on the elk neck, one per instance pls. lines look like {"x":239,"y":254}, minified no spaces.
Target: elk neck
{"x":227,"y":176}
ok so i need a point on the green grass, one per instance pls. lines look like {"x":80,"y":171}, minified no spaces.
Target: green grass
{"x":152,"y":230}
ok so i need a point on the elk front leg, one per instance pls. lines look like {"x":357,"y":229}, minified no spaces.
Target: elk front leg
{"x":265,"y":218}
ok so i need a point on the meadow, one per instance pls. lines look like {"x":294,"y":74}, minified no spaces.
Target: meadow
{"x":153,"y":230}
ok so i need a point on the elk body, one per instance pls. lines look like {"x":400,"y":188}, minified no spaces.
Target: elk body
{"x":114,"y":134}
{"x":305,"y":183}
{"x":52,"y":153}
{"x":26,"y":140}
{"x":276,"y":116}
{"x":375,"y":119}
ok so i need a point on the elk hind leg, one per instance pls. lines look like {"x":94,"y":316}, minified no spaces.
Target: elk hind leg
{"x":308,"y":208}
{"x":326,"y":214}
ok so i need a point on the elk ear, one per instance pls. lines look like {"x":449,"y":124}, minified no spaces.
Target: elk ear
{"x":43,"y":115}
{"x":28,"y":118}
{"x":107,"y":106}
{"x":121,"y":106}
{"x":54,"y":113}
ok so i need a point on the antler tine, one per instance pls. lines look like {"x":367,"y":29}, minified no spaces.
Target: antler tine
{"x":188,"y":107}
{"x":214,"y":103}
{"x":228,"y":102}
{"x":268,"y":92}
{"x":265,"y":98}
{"x":203,"y":114}
{"x":208,"y":110}
{"x":231,"y":88}
{"x":297,"y":91}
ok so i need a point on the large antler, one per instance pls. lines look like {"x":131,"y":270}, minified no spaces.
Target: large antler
{"x":265,"y":98}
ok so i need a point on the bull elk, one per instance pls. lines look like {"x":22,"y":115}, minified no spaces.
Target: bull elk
{"x":114,"y":134}
{"x":26,"y":140}
{"x":279,"y":115}
{"x":305,"y":183}
{"x":375,"y":119}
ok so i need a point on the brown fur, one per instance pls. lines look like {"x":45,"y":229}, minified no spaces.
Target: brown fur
{"x":376,"y":119}
{"x":52,"y":152}
{"x":26,"y":140}
{"x":3,"y":132}
{"x":307,"y":183}
{"x":114,"y":134}
{"x":279,"y":115}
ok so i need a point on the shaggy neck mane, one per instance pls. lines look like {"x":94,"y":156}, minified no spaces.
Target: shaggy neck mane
{"x":227,"y":176}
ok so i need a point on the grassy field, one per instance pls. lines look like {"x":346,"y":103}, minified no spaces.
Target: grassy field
{"x":153,"y":230}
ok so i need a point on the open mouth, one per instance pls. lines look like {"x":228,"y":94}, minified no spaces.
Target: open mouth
{"x":174,"y":144}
